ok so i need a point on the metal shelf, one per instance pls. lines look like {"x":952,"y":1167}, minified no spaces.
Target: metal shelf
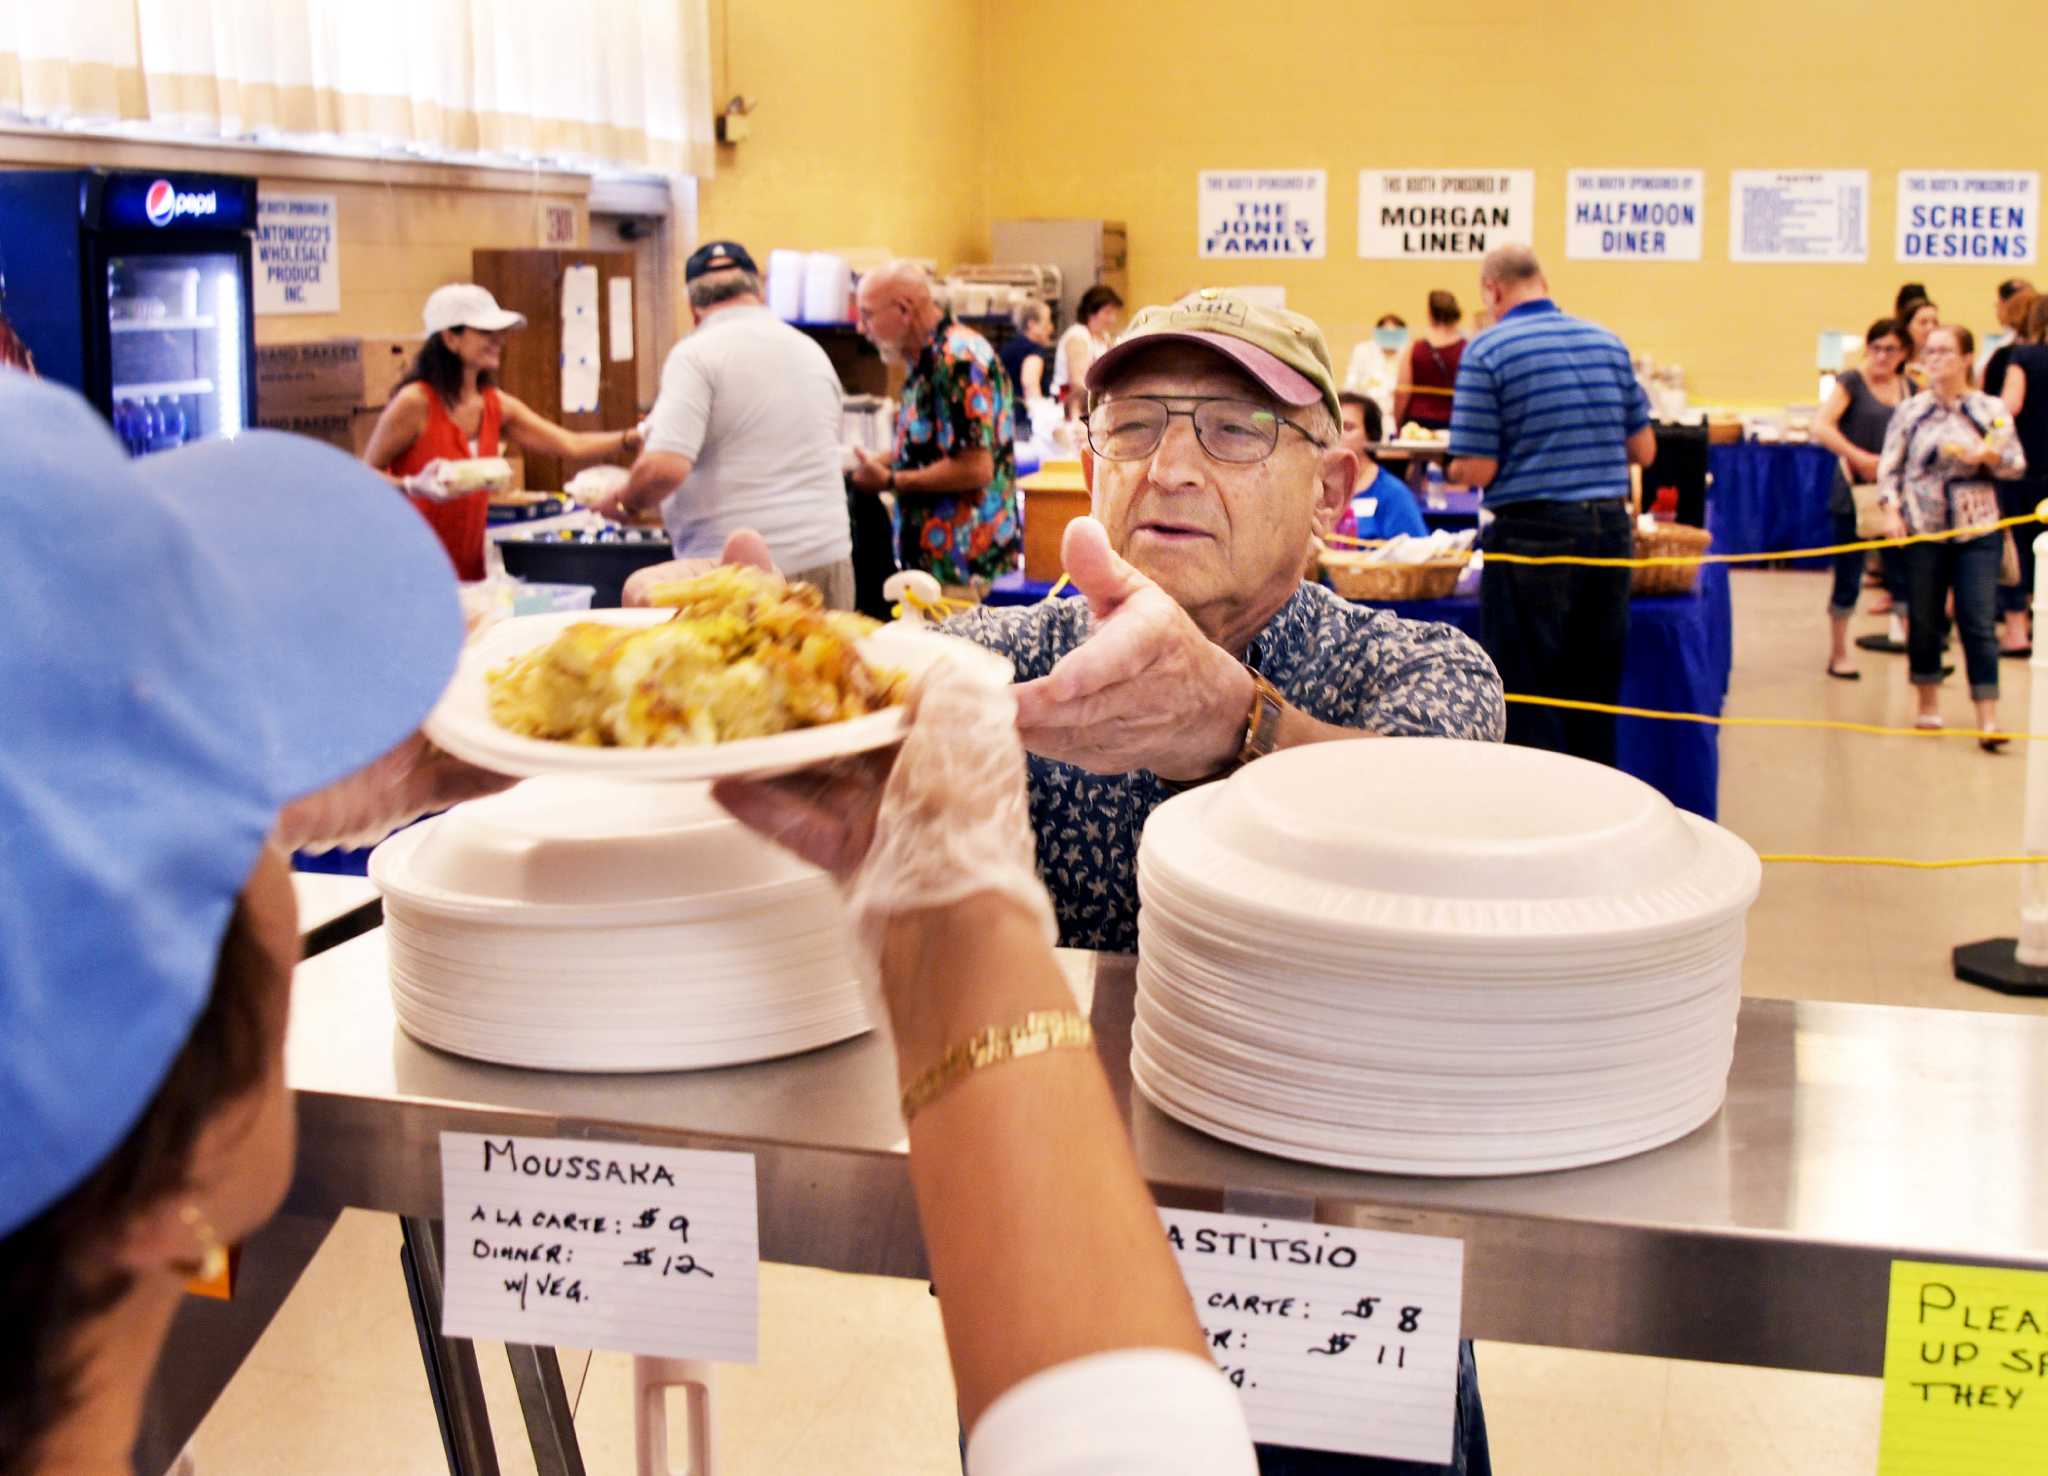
{"x":166,"y":387}
{"x":161,"y":325}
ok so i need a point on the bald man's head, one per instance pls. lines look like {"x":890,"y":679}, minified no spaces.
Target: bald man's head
{"x":897,"y":309}
{"x":1510,"y":275}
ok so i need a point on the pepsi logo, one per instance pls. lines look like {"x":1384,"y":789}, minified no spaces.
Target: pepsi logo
{"x":163,"y":204}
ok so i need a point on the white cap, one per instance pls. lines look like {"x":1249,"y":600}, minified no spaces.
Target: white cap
{"x":466,"y":305}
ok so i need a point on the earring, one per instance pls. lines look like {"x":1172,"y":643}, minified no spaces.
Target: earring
{"x":213,"y":1256}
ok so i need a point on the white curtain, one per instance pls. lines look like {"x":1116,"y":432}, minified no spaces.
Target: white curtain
{"x":589,"y":83}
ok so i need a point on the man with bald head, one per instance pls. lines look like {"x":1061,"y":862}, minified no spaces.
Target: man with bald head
{"x":1548,"y":417}
{"x":953,"y":470}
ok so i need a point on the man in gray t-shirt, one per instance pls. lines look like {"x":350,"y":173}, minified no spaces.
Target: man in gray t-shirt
{"x":745,"y":433}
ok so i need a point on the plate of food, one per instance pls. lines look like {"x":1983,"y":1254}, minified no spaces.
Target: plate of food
{"x":734,"y":673}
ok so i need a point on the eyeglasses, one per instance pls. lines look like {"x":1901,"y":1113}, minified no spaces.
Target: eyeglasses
{"x":1236,"y":431}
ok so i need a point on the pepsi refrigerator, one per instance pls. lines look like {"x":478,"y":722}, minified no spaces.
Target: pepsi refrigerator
{"x":136,"y":289}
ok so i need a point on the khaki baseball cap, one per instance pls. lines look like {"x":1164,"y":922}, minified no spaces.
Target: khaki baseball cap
{"x":1283,"y":351}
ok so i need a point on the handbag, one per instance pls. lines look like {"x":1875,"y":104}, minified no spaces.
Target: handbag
{"x":1870,"y":519}
{"x":2009,"y":562}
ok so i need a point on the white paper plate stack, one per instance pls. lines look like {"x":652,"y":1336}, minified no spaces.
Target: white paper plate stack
{"x":578,"y":924}
{"x":1421,"y":956}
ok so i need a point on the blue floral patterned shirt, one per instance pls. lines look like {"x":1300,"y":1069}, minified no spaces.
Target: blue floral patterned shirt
{"x":1341,"y":663}
{"x":957,"y":397}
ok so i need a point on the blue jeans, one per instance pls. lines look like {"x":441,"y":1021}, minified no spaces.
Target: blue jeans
{"x":1969,"y":566}
{"x":1469,"y":1454}
{"x":1558,"y":630}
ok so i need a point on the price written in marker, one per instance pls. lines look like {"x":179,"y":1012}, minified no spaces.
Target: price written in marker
{"x":1335,"y":1339}
{"x":1965,"y":1371}
{"x":567,"y":1243}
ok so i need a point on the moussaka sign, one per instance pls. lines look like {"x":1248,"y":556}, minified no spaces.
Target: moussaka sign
{"x":1443,"y":214}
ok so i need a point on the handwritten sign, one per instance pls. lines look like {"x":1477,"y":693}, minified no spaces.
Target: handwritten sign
{"x":567,"y":1243}
{"x":1634,"y":214}
{"x":1443,"y":214}
{"x":1263,"y":213}
{"x":298,"y":255}
{"x":1965,"y":1371}
{"x":1950,"y":215}
{"x":1812,"y":215}
{"x":1336,"y":1339}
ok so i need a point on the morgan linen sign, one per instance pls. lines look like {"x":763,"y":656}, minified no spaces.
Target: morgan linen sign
{"x":1443,"y":214}
{"x":1262,"y":213}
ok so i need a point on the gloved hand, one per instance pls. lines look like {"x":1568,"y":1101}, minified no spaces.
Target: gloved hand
{"x":427,"y":482}
{"x":943,"y":818}
{"x":412,"y":780}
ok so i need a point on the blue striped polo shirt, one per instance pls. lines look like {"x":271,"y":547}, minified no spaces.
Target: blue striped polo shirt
{"x":1553,"y":399}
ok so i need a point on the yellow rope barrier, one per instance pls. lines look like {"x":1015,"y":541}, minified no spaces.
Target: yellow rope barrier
{"x":1826,"y":724}
{"x":1866,"y":545}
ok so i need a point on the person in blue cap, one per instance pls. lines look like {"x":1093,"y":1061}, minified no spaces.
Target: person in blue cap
{"x":211,"y":655}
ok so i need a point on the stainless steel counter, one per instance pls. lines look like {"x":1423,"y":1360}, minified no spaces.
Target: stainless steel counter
{"x":1852,"y":1134}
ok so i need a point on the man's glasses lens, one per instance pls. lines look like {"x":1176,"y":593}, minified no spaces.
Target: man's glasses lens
{"x":1229,"y":430}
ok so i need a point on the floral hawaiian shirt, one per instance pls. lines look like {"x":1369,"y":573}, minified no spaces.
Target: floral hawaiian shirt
{"x":1341,"y":663}
{"x":957,"y":397}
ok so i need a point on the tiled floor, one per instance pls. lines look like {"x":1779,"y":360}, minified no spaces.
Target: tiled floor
{"x":853,"y":1377}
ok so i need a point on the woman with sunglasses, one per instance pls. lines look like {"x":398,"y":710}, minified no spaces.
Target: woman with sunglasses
{"x":1852,"y":425}
{"x":1945,"y":447}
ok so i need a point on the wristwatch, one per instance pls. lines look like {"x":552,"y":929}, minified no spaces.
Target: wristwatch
{"x":1261,"y":733}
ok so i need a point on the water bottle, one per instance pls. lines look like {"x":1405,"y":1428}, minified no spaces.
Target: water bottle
{"x":124,"y":424}
{"x":1433,"y":493}
{"x":174,"y":424}
{"x":150,"y":428}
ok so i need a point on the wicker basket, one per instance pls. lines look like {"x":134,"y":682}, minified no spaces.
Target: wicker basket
{"x":1669,"y":541}
{"x":1353,"y":577}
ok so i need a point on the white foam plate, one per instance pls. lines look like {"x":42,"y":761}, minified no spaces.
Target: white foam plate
{"x":461,"y":723}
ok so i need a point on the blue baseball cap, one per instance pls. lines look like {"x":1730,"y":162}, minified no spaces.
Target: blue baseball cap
{"x":718,"y":256}
{"x":192,"y":640}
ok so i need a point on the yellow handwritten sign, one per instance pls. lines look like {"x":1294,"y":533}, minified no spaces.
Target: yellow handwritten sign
{"x":1965,"y":1372}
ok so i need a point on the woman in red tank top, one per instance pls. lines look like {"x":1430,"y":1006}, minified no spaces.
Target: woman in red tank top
{"x":449,"y":409}
{"x":1424,"y":394}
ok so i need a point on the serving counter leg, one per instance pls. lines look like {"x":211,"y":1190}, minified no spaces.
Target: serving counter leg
{"x":550,"y":1423}
{"x":453,"y":1379}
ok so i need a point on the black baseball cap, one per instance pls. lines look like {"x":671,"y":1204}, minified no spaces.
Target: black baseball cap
{"x":718,"y":256}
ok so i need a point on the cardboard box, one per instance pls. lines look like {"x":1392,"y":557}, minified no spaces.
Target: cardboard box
{"x":332,"y":426}
{"x":385,"y":362}
{"x":331,"y":374}
{"x":324,"y":377}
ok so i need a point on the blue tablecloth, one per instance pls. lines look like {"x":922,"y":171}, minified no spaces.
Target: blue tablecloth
{"x":1679,"y":654}
{"x":1766,"y":498}
{"x":1459,"y":512}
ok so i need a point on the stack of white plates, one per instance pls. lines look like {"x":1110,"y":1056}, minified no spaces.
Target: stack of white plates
{"x":577,"y":924}
{"x":1421,"y":956}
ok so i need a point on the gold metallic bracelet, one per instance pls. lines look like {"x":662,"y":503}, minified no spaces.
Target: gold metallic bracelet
{"x":1040,"y":1031}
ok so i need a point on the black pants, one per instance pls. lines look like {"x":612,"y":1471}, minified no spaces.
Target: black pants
{"x":1558,"y":630}
{"x":2014,"y":500}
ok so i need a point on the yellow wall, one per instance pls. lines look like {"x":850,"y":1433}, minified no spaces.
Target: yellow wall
{"x":1163,"y":90}
{"x":872,"y":128}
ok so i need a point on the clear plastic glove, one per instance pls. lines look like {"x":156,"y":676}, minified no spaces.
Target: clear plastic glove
{"x":427,"y":482}
{"x":412,"y":780}
{"x":944,"y":818}
{"x":743,"y":546}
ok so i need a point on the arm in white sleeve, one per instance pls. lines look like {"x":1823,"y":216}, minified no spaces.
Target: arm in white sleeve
{"x":1132,"y":1412}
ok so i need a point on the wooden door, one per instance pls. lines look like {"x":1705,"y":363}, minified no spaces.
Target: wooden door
{"x":530,"y":282}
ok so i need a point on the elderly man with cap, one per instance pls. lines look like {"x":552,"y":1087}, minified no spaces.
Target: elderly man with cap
{"x":1196,"y":646}
{"x":745,"y":433}
{"x":954,"y":471}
